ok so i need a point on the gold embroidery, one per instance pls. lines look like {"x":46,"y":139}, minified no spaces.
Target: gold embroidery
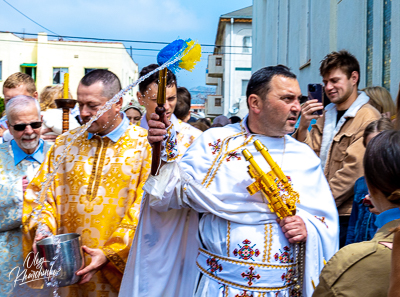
{"x":96,"y":170}
{"x":216,"y":158}
{"x":114,"y":258}
{"x":99,"y":169}
{"x":228,"y":238}
{"x":127,"y":226}
{"x":223,"y":158}
{"x":270,"y":242}
{"x":267,"y":242}
{"x":226,"y":291}
{"x":263,"y":289}
{"x":226,"y":142}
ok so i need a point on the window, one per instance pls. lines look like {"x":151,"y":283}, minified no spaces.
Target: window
{"x":247,"y":44}
{"x":245,"y":82}
{"x":217,"y":102}
{"x":87,"y":70}
{"x":218,"y":61}
{"x":1,"y":69}
{"x":58,"y":75}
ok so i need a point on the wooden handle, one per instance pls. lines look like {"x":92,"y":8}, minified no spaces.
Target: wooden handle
{"x":65,"y":125}
{"x":155,"y":161}
{"x":160,"y":110}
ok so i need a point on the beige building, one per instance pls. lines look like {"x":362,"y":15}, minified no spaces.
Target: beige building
{"x":229,"y":68}
{"x":47,"y":60}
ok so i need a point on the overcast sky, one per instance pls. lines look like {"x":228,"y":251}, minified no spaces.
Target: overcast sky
{"x":146,"y":20}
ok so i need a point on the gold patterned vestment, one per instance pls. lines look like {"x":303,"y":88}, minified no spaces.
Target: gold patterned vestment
{"x":97,"y":193}
{"x":185,"y":137}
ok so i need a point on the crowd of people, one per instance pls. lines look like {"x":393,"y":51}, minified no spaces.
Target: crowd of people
{"x":205,"y":225}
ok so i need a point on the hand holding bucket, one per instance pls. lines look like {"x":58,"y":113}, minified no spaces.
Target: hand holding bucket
{"x":70,"y":257}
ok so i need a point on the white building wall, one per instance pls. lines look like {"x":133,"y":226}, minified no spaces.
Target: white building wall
{"x":237,"y":63}
{"x":300,"y":33}
{"x":76,"y":56}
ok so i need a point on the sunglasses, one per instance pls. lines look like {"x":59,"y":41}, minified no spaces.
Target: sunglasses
{"x":21,"y":127}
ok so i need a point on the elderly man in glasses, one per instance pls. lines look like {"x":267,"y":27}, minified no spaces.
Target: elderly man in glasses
{"x":19,"y":160}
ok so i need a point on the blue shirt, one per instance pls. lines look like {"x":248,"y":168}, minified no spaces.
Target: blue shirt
{"x":387,"y":216}
{"x":20,"y":155}
{"x":116,"y":134}
{"x":362,"y":221}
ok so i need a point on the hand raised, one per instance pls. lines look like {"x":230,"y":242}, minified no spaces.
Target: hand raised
{"x":157,"y":129}
{"x":307,"y":110}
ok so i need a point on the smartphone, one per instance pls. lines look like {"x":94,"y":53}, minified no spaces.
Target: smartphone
{"x":316,"y":91}
{"x":367,"y":202}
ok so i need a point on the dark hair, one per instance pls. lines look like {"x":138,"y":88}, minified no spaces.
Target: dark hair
{"x":205,"y":121}
{"x":200,"y":125}
{"x":183,"y":94}
{"x":235,"y":119}
{"x":377,"y":126}
{"x":259,"y":83}
{"x":111,"y":83}
{"x":183,"y":103}
{"x":382,"y":164}
{"x":343,"y":60}
{"x":171,"y":78}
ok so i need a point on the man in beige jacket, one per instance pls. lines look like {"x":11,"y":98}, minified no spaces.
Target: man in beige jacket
{"x":337,"y":137}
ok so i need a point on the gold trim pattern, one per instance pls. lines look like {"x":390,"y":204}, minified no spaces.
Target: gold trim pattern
{"x":100,"y":168}
{"x":226,"y":291}
{"x":246,"y":263}
{"x":218,"y":155}
{"x":222,"y":159}
{"x":228,"y":239}
{"x":97,"y":169}
{"x":262,"y":289}
{"x":114,"y":258}
{"x":127,"y":226}
{"x":267,"y":243}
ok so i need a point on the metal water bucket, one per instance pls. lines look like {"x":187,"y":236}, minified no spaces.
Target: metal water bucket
{"x":70,"y":257}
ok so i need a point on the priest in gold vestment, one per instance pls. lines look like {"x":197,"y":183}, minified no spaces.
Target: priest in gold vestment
{"x":97,"y":189}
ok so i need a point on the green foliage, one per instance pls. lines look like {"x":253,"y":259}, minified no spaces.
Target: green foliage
{"x":2,"y":106}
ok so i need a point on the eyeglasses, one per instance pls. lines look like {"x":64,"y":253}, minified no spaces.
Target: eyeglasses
{"x":21,"y":127}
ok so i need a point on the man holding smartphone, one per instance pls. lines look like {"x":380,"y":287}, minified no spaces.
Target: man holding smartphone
{"x":337,"y":137}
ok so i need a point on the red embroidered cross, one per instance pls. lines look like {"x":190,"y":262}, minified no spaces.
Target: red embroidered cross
{"x":250,"y":275}
{"x":216,"y":146}
{"x":233,"y":155}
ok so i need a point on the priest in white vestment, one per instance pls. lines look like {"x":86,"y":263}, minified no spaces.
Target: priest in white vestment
{"x":147,"y":96}
{"x":238,"y":248}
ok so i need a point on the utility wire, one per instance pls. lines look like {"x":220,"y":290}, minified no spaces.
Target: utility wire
{"x":120,"y":40}
{"x":67,"y":43}
{"x":57,"y":35}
